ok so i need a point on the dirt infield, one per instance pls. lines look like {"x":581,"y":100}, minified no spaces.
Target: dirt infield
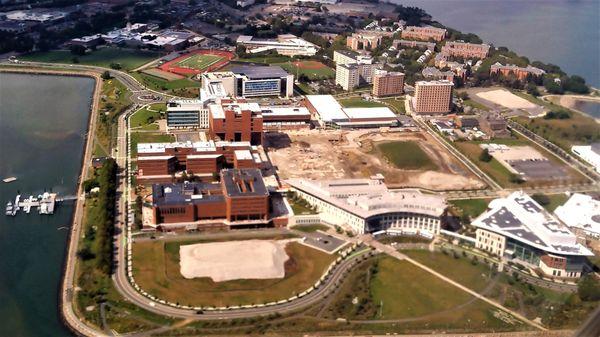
{"x":313,"y":65}
{"x":234,"y":260}
{"x":353,"y":154}
{"x":174,"y":66}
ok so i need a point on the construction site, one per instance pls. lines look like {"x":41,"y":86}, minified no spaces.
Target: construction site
{"x":319,"y":154}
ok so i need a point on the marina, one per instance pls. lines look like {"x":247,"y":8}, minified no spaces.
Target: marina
{"x":45,"y":204}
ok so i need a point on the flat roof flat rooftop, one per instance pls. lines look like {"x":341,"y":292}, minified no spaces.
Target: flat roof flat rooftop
{"x":260,"y":72}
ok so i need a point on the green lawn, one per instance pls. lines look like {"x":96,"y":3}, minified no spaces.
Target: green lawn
{"x":476,"y":105}
{"x":160,"y":84}
{"x":300,"y":207}
{"x":270,"y":59}
{"x":397,"y":105}
{"x":471,"y":207}
{"x":311,"y":228}
{"x":461,"y":269}
{"x":128,"y":58}
{"x":357,"y":102}
{"x":406,"y":155}
{"x":147,"y":116}
{"x":313,"y":70}
{"x":148,"y":137}
{"x":114,"y":100}
{"x":156,"y":270}
{"x":555,"y":201}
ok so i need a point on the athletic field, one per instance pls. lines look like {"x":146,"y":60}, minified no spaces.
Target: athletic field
{"x":199,"y":61}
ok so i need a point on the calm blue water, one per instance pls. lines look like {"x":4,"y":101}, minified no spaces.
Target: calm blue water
{"x":43,"y":121}
{"x":591,"y":108}
{"x":563,"y":32}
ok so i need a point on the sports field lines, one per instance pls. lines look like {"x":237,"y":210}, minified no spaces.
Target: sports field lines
{"x":200,"y":61}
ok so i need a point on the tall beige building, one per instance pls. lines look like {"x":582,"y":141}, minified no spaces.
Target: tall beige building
{"x":433,"y":97}
{"x":387,"y":83}
{"x":347,"y":76}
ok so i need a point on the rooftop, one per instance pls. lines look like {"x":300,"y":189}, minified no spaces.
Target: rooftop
{"x":259,"y":72}
{"x":369,"y":197}
{"x":521,"y":218}
{"x":581,"y":211}
{"x":243,"y":182}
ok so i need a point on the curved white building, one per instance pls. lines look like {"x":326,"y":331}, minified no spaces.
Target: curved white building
{"x":366,"y":205}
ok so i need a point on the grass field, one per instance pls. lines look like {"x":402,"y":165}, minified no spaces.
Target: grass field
{"x":406,"y":155}
{"x":164,"y":280}
{"x":357,"y":102}
{"x":388,"y":289}
{"x":577,"y":130}
{"x":147,"y":115}
{"x":270,"y":59}
{"x":128,"y":58}
{"x":199,"y":61}
{"x":471,"y":207}
{"x":397,"y":105}
{"x":113,"y":102}
{"x":312,"y":69}
{"x":311,"y":228}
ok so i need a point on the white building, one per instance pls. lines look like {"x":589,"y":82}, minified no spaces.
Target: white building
{"x":581,"y":213}
{"x":347,"y":76}
{"x":589,"y":153}
{"x":329,"y":113}
{"x":353,"y":68}
{"x":286,"y":44}
{"x":187,"y":114}
{"x":519,"y":229}
{"x":248,"y":81}
{"x":245,"y":3}
{"x":366,"y":205}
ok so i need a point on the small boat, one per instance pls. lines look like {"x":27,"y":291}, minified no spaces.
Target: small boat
{"x":9,"y":208}
{"x":9,"y":179}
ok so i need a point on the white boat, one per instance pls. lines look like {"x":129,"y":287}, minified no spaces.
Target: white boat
{"x":9,"y":208}
{"x":9,"y":179}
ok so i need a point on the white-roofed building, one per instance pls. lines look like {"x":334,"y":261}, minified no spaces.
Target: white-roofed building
{"x":329,"y":113}
{"x":589,"y":153}
{"x":187,"y":114}
{"x":285,"y":44}
{"x":366,"y":205}
{"x":519,"y":229}
{"x":582,"y":214}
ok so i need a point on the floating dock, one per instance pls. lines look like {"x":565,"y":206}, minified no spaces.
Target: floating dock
{"x":44,"y":202}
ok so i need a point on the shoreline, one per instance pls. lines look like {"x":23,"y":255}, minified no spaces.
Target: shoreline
{"x":65,"y":300}
{"x":569,"y":102}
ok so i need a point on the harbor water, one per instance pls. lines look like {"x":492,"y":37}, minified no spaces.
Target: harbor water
{"x":43,"y":123}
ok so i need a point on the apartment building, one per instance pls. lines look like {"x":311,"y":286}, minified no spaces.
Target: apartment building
{"x":387,"y":83}
{"x":364,"y":41}
{"x":347,"y":76}
{"x":433,"y":97}
{"x":349,"y":56}
{"x":520,"y":72}
{"x":465,"y":50}
{"x":353,"y":68}
{"x":424,"y":33}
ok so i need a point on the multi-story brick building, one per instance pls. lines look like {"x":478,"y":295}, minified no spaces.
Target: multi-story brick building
{"x":235,"y":121}
{"x":432,"y":97}
{"x":424,"y":33}
{"x":240,"y":199}
{"x":160,"y":161}
{"x":465,"y":50}
{"x":520,"y":72}
{"x":387,"y":83}
{"x":363,"y":41}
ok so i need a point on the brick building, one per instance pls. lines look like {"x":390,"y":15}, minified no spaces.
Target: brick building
{"x":364,"y":41}
{"x":424,"y":33}
{"x":465,"y":50}
{"x":160,"y":161}
{"x":235,"y":121}
{"x":387,"y":83}
{"x":520,"y":72}
{"x":433,"y":97}
{"x":241,"y":199}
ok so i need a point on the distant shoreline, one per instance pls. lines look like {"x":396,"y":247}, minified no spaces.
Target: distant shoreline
{"x":570,"y":102}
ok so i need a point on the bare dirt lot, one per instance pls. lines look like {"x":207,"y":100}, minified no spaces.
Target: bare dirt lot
{"x":352,"y":154}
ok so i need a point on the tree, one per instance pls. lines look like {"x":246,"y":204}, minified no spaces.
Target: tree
{"x":115,"y":66}
{"x":516,"y":178}
{"x":485,"y":156}
{"x":77,"y":49}
{"x":588,"y":288}
{"x":541,"y":199}
{"x":106,"y":75}
{"x":532,"y":89}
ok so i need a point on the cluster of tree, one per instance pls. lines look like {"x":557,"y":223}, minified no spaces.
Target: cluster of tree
{"x":413,"y":16}
{"x":560,"y":114}
{"x":10,"y":42}
{"x":485,"y":156}
{"x":575,"y":84}
{"x":138,"y":212}
{"x":454,"y":35}
{"x":578,"y":305}
{"x":102,"y":227}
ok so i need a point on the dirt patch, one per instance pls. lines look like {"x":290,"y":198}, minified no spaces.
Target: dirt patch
{"x":313,"y":65}
{"x":317,"y":154}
